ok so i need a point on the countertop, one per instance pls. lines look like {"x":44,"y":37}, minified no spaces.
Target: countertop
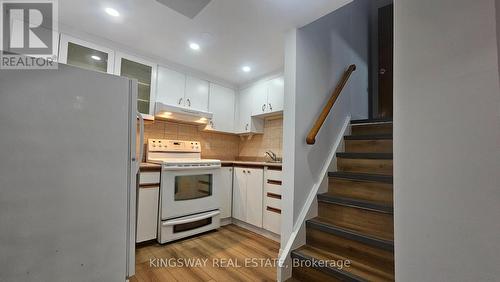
{"x":156,"y":167}
{"x":252,"y":163}
{"x":149,"y":167}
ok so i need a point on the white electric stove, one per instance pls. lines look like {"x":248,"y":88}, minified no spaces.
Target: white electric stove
{"x":189,"y":202}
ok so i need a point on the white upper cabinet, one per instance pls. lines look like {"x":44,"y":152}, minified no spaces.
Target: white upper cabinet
{"x":145,"y":73}
{"x":196,"y":94}
{"x":177,"y":89}
{"x":171,"y":87}
{"x":259,"y":93}
{"x":267,"y":96}
{"x":256,"y":101}
{"x":83,"y":54}
{"x":245,"y":105}
{"x":222,"y":105}
{"x":276,"y":94}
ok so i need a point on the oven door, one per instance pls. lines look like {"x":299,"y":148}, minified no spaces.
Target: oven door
{"x":190,"y":191}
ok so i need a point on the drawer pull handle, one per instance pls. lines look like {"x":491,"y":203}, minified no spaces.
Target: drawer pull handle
{"x":275,"y":196}
{"x":275,"y":182}
{"x":275,"y":210}
{"x":149,"y":185}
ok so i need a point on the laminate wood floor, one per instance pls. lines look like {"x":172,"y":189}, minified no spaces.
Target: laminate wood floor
{"x":228,"y":254}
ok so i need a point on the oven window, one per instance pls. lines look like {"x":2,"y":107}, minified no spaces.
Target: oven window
{"x":192,"y":225}
{"x":189,"y":187}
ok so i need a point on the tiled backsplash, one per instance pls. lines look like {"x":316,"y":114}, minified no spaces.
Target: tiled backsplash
{"x":219,"y":145}
{"x":272,"y":140}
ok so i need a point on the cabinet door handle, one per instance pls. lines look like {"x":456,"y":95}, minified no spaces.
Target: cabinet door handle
{"x":270,"y":107}
{"x":189,"y":102}
{"x":264,"y":107}
{"x":180,"y":101}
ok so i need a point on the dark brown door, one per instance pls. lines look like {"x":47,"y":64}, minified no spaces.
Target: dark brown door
{"x":385,"y":60}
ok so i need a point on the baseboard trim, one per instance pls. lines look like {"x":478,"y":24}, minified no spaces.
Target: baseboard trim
{"x":261,"y":231}
{"x":226,"y":221}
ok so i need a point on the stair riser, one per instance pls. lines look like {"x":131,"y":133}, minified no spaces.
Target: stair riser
{"x":367,"y":222}
{"x":371,"y":129}
{"x":373,"y":166}
{"x":310,"y":274}
{"x":368,"y":146}
{"x":374,"y":257}
{"x":362,"y":190}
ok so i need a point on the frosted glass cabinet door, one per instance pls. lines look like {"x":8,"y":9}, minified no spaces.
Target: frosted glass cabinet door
{"x":196,"y":94}
{"x":171,"y":87}
{"x":86,"y":55}
{"x":145,"y":73}
{"x":221,"y":104}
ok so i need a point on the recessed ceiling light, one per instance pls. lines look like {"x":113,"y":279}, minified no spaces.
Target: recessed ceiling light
{"x":97,"y":58}
{"x":112,"y":12}
{"x":246,"y":69}
{"x":194,"y":46}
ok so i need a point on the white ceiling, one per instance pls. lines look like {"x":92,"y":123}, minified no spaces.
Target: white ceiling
{"x":232,"y":33}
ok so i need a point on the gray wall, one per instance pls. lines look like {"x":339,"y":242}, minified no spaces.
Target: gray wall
{"x":322,"y":52}
{"x":498,"y":30}
{"x":446,"y":141}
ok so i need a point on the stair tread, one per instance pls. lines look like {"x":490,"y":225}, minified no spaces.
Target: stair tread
{"x":325,"y":226}
{"x":369,"y":137}
{"x":362,"y":176}
{"x":371,"y":121}
{"x":373,"y":156}
{"x":368,"y":205}
{"x":355,"y":272}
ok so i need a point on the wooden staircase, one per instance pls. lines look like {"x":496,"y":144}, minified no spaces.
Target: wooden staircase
{"x":355,"y":216}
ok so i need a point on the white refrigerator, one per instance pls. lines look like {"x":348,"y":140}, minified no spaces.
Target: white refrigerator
{"x":67,"y":175}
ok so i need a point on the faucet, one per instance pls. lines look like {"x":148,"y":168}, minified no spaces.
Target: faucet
{"x":273,"y":156}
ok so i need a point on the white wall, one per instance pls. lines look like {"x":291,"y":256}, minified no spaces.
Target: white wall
{"x":324,"y":50}
{"x":446,"y":141}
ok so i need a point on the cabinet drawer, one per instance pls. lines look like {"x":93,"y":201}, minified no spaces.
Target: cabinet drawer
{"x":272,"y":188}
{"x":272,"y":220}
{"x":276,"y":175}
{"x":149,"y":178}
{"x":271,"y":201}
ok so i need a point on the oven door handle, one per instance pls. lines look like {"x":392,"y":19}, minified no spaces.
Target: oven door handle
{"x":190,"y":219}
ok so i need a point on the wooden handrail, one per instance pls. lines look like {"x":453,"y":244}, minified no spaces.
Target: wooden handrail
{"x":311,"y":137}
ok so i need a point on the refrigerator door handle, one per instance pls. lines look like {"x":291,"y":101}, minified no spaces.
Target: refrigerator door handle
{"x":141,"y":140}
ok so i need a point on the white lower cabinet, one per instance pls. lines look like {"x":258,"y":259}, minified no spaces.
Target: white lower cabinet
{"x":147,"y":206}
{"x":272,"y":200}
{"x":247,"y":195}
{"x":147,"y":213}
{"x":225,"y":191}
